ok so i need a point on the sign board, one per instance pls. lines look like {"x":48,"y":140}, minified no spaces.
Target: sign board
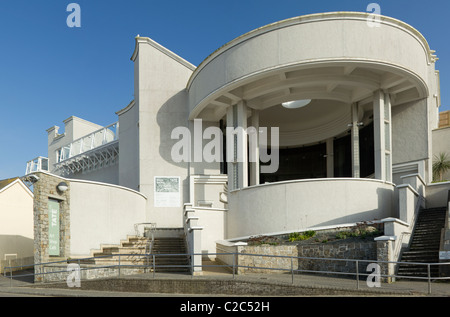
{"x":167,"y":192}
{"x":53,"y":227}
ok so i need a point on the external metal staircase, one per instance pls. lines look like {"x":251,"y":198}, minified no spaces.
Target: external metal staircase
{"x":424,"y":246}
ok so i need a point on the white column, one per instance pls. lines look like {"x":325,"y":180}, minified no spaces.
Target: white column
{"x":242,"y":144}
{"x":388,"y":136}
{"x":231,"y":165}
{"x":378,"y":126}
{"x":382,"y":136}
{"x":254,"y":149}
{"x":330,"y":158}
{"x":237,"y":146}
{"x":355,"y":141}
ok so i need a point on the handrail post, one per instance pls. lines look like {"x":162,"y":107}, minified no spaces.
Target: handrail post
{"x":119,"y":265}
{"x":191,"y":256}
{"x":357,"y":274}
{"x":429,"y":278}
{"x":292,"y":269}
{"x":154,"y":268}
{"x":234,"y":264}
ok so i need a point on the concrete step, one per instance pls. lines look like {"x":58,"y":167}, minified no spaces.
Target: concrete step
{"x":132,"y":252}
{"x":424,"y":247}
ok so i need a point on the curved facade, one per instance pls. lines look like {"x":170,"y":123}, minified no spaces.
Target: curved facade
{"x":308,"y":204}
{"x":373,"y":89}
{"x":355,"y":73}
{"x":310,"y":55}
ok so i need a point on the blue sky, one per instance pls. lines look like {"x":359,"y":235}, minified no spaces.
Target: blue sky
{"x":49,"y":72}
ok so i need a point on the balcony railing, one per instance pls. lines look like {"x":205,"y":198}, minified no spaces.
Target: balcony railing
{"x":37,"y":165}
{"x":89,"y":142}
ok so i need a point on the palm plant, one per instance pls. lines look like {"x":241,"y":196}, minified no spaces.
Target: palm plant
{"x":441,"y":164}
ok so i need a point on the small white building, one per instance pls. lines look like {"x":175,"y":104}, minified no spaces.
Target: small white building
{"x":346,"y":108}
{"x":16,"y":225}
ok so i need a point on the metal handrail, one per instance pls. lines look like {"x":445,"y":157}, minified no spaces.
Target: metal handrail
{"x":37,"y":164}
{"x":69,"y":150}
{"x":234,"y":266}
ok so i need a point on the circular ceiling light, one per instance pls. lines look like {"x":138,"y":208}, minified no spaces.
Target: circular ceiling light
{"x":296,"y":104}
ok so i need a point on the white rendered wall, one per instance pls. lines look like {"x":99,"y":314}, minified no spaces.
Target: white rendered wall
{"x":129,"y":147}
{"x":297,"y":205}
{"x":410,"y":136}
{"x":162,"y":105}
{"x":160,"y":99}
{"x":437,"y":194}
{"x":108,"y":174}
{"x":441,"y":144}
{"x":102,"y":214}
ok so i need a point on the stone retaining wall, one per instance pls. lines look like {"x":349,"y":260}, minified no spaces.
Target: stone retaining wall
{"x":59,"y":272}
{"x":276,"y":258}
{"x":352,"y":250}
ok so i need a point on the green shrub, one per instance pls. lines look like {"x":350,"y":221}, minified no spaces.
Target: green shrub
{"x":296,"y":236}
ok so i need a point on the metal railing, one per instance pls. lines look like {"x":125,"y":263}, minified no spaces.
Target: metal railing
{"x":293,"y":268}
{"x":36,"y":165}
{"x":152,"y":227}
{"x":89,"y":142}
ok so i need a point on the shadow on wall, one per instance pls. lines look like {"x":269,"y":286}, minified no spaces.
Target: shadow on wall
{"x":174,"y":114}
{"x":437,"y":194}
{"x":385,"y":209}
{"x":14,"y":247}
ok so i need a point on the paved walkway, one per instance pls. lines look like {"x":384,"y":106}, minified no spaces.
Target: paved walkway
{"x":421,"y":288}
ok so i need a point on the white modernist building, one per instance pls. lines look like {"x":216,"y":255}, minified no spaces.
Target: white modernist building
{"x":344,"y":112}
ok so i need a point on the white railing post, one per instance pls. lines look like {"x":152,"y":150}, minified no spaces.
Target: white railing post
{"x":104,"y":136}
